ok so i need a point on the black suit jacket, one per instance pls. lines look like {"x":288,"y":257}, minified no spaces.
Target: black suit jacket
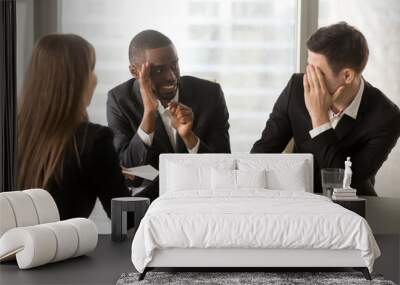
{"x":125,"y":113}
{"x":368,"y":139}
{"x":93,"y":172}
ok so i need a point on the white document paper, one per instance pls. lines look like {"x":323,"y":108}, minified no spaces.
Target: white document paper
{"x":145,"y":171}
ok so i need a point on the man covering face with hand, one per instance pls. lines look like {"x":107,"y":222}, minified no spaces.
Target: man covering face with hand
{"x":332,"y":112}
{"x":159,"y":111}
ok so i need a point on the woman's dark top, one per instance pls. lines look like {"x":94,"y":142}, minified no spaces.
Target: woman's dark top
{"x":96,"y":174}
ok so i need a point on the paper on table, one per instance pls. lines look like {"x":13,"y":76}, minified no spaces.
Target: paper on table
{"x":144,"y":171}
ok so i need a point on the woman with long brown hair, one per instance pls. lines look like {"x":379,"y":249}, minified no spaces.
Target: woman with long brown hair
{"x":58,"y":148}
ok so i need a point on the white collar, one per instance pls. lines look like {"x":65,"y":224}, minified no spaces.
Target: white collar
{"x":352,"y":109}
{"x":161,"y":108}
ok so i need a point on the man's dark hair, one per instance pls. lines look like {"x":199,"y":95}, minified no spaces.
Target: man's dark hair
{"x":147,"y":39}
{"x":343,"y":46}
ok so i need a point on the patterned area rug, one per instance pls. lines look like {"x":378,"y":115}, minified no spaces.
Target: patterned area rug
{"x":230,"y":278}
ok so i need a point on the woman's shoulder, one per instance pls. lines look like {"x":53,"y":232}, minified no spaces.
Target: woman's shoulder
{"x":89,"y":135}
{"x":93,"y":131}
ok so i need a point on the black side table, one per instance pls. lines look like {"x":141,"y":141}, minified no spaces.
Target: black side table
{"x":357,"y":205}
{"x":119,"y":209}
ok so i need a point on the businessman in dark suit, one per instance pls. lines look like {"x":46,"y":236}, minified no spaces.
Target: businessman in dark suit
{"x":332,"y":112}
{"x":158,"y":111}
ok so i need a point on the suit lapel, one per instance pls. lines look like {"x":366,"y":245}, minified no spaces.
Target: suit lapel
{"x":345,"y":125}
{"x":183,"y":98}
{"x":161,"y":139}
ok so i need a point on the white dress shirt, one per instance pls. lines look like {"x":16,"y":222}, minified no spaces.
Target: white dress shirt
{"x":334,"y":119}
{"x":166,"y":119}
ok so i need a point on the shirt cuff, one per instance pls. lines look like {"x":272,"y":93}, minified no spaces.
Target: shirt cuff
{"x":147,"y":139}
{"x":319,"y":130}
{"x":195,"y":149}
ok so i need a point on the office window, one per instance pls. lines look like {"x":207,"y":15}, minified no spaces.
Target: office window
{"x":379,"y":22}
{"x":246,"y":46}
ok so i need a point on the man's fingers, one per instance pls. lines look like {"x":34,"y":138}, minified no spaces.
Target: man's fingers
{"x":306,"y":84}
{"x":184,"y":111}
{"x":144,"y":72}
{"x":144,"y":76}
{"x":146,"y":69}
{"x":321,"y":80}
{"x":172,"y":104}
{"x":179,"y":114}
{"x":172,"y":107}
{"x":141,"y":71}
{"x":309,"y":79}
{"x":173,"y":111}
{"x":314,"y":80}
{"x":185,"y":119}
{"x":314,"y":77}
{"x":187,"y":116}
{"x":178,"y":108}
{"x":183,"y":114}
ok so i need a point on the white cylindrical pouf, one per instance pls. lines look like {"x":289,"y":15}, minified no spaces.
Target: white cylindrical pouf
{"x":34,"y":246}
{"x":23,"y":208}
{"x":87,"y":234}
{"x":67,"y":239}
{"x":7,"y":217}
{"x":45,"y":205}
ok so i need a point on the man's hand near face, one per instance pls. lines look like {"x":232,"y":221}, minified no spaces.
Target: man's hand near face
{"x":316,"y":96}
{"x":150,"y":102}
{"x":182,"y":121}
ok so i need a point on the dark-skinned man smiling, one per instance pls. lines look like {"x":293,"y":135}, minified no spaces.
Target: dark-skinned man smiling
{"x":158,"y":111}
